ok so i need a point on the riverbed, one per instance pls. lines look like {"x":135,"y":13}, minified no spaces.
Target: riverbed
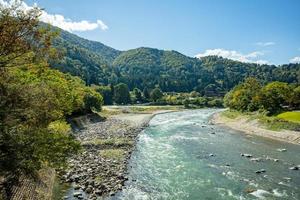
{"x":182,"y":156}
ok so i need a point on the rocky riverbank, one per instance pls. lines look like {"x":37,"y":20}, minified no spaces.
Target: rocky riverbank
{"x":100,"y":169}
{"x":252,"y":127}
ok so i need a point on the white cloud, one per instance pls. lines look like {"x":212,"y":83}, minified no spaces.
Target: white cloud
{"x":62,"y":22}
{"x":265,"y":44}
{"x":295,"y":59}
{"x":234,"y":55}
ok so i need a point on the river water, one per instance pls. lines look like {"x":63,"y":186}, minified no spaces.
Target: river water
{"x":182,"y":156}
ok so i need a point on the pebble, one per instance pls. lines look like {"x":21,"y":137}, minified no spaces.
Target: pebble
{"x":98,"y":175}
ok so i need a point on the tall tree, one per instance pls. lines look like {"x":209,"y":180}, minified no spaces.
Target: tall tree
{"x":22,"y":39}
{"x":121,"y":95}
{"x":34,"y":99}
{"x":245,"y":96}
{"x":146,"y":93}
{"x":156,"y":94}
{"x":106,"y":93}
{"x":137,"y":95}
{"x":275,"y":95}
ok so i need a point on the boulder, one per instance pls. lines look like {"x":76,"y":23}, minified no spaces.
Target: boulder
{"x":294,"y":168}
{"x":281,"y":150}
{"x":77,"y":194}
{"x":246,"y":155}
{"x":260,"y":171}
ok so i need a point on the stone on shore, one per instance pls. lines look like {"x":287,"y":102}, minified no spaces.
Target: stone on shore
{"x":100,"y":169}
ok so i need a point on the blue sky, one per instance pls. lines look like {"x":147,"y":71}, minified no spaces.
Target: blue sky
{"x":246,"y":30}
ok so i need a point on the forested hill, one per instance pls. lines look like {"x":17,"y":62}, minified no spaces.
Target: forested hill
{"x":170,"y":70}
{"x":81,"y":57}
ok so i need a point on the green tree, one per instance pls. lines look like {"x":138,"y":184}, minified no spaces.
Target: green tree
{"x":296,"y":98}
{"x":137,"y":95}
{"x":121,"y":95}
{"x":275,"y":96}
{"x":34,"y":100}
{"x":22,"y":39}
{"x":92,"y":101}
{"x":146,"y":93}
{"x":106,"y":93}
{"x":186,"y":103}
{"x":194,"y":94}
{"x":156,"y":94}
{"x":245,"y":96}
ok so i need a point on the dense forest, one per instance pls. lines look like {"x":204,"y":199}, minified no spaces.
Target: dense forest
{"x":171,"y":71}
{"x":35,"y":100}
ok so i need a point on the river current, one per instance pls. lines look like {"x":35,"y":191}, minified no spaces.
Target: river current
{"x":182,"y":156}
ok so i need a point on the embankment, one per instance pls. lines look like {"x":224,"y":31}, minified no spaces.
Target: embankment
{"x":252,"y":127}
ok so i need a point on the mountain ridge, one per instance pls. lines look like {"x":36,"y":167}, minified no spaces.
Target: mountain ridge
{"x":170,"y":70}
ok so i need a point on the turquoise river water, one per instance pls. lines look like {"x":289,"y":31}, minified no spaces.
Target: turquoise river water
{"x":182,"y":156}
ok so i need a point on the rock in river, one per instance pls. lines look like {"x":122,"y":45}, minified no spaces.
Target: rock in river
{"x":260,"y":171}
{"x":246,"y":155}
{"x":294,"y":168}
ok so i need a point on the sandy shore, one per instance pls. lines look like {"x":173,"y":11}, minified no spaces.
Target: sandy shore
{"x":252,"y":127}
{"x":139,"y":119}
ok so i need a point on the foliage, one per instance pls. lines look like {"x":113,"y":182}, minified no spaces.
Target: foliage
{"x":171,"y":71}
{"x":87,"y":59}
{"x":34,"y":99}
{"x":146,"y":93}
{"x":137,"y":95}
{"x":121,"y":94}
{"x":92,"y":101}
{"x":190,"y":100}
{"x":296,"y":97}
{"x":186,"y":103}
{"x":276,"y":124}
{"x":290,"y":116}
{"x":31,"y":135}
{"x":106,"y":92}
{"x":156,"y":94}
{"x":245,"y":96}
{"x":22,"y":40}
{"x":275,"y":95}
{"x":272,"y":98}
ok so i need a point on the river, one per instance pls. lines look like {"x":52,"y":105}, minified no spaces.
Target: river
{"x":182,"y":156}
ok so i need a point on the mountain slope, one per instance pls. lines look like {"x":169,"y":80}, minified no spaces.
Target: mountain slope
{"x":149,"y":67}
{"x":172,"y":71}
{"x":81,"y":57}
{"x":106,"y":52}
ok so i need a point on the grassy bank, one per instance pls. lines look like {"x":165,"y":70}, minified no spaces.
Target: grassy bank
{"x":290,"y":116}
{"x":283,"y":121}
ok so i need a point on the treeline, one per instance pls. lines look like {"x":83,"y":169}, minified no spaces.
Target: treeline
{"x":34,"y":99}
{"x":171,"y":71}
{"x":120,"y":94}
{"x":271,"y":98}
